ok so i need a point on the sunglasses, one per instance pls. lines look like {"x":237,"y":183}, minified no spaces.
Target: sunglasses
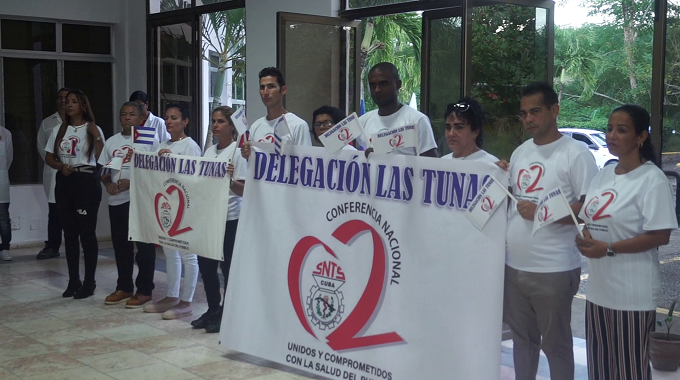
{"x":458,"y":107}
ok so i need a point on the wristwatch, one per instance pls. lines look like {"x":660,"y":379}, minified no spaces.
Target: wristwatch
{"x":610,"y":251}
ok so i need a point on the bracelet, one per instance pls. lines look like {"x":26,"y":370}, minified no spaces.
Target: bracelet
{"x":98,"y":138}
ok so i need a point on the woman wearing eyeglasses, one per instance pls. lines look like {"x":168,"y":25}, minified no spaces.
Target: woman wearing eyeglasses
{"x":464,"y":134}
{"x":324,"y":118}
{"x":73,"y":149}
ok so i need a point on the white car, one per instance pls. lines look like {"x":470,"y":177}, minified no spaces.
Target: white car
{"x":596,"y":142}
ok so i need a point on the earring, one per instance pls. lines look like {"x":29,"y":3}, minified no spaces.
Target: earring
{"x":639,"y":145}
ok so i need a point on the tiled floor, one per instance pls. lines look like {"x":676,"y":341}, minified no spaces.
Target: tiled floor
{"x":44,"y":336}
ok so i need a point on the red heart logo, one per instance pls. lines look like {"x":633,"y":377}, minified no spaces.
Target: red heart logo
{"x":527,"y":180}
{"x":344,"y":134}
{"x":487,"y":204}
{"x":346,"y":334}
{"x":544,"y":214}
{"x":168,"y":221}
{"x":396,"y":141}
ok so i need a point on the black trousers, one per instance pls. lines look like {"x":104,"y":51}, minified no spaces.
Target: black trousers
{"x":125,"y":255}
{"x":78,"y":196}
{"x":208,"y":267}
{"x":53,"y":228}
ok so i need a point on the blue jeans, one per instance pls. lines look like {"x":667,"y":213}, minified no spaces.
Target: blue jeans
{"x":5,"y":227}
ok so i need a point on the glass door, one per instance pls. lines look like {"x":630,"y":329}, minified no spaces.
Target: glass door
{"x":487,"y":50}
{"x":318,"y":58}
{"x":174,"y":72}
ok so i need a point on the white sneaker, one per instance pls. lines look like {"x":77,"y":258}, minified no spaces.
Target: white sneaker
{"x":5,"y":255}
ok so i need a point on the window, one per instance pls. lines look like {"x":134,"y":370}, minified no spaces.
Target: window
{"x":33,"y":69}
{"x":582,"y":138}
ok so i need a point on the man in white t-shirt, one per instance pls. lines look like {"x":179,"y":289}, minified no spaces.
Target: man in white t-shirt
{"x":384,"y":84}
{"x":542,"y":271}
{"x":54,"y":229}
{"x":149,"y":119}
{"x":272,"y":90}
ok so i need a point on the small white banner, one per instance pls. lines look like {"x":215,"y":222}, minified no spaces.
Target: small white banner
{"x":176,"y":201}
{"x":342,"y":133}
{"x":489,"y":198}
{"x":554,"y":206}
{"x":397,"y":138}
{"x":115,"y":163}
{"x":240,"y":121}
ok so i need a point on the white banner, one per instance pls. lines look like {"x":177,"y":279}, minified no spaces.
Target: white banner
{"x":400,"y":138}
{"x":355,"y":268}
{"x":179,"y":202}
{"x":342,"y":133}
{"x":554,"y":206}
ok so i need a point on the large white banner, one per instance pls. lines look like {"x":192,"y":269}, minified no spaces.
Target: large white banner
{"x":355,"y":268}
{"x":180,"y":202}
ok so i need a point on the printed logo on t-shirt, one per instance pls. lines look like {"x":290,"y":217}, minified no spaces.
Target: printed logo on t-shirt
{"x":68,"y":145}
{"x":528,"y":179}
{"x":596,"y":207}
{"x":125,"y":151}
{"x":269,"y":138}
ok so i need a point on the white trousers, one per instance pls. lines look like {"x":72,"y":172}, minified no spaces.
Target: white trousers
{"x":173,"y":262}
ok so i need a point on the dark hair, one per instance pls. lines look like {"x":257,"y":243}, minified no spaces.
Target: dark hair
{"x":473,"y":115}
{"x":386,"y":66}
{"x":182,"y":110}
{"x":139,"y":95}
{"x":273,"y":72}
{"x":133,"y":104}
{"x":543,"y":88}
{"x":335,"y":113}
{"x":63,"y":89}
{"x":88,"y":116}
{"x":641,"y":121}
{"x":227,"y":112}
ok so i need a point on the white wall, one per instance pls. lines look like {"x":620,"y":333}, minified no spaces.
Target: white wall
{"x":261,"y":40}
{"x":128,"y":18}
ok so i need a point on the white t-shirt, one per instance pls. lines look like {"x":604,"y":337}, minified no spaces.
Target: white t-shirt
{"x":620,"y":207}
{"x":263,"y":130}
{"x":49,"y":174}
{"x":374,"y":123}
{"x":120,"y":145}
{"x":73,"y":146}
{"x":159,"y":125}
{"x":536,"y":170}
{"x":240,"y":165}
{"x":6,"y":156}
{"x":480,"y":155}
{"x":185,"y":147}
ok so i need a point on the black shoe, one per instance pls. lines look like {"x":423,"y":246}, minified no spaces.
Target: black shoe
{"x":85,"y":291}
{"x":47,"y":253}
{"x":72,"y":288}
{"x":203,"y":320}
{"x":214,"y":324}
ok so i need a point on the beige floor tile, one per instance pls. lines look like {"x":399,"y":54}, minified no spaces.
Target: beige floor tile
{"x":40,"y":364}
{"x":131,"y":332}
{"x":63,"y":337}
{"x":190,"y":357}
{"x":161,"y":343}
{"x":37,"y":274}
{"x":75,"y":313}
{"x":163,"y":371}
{"x":103,"y":322}
{"x":39,"y":325}
{"x":10,"y":280}
{"x":117,"y":361}
{"x":7,"y":375}
{"x":16,"y":347}
{"x":228,"y":368}
{"x":20,"y":312}
{"x":90,"y":347}
{"x":80,"y":373}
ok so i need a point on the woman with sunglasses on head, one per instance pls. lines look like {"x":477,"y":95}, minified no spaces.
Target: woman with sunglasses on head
{"x":464,"y":134}
{"x":226,"y":150}
{"x":176,"y":305}
{"x":627,"y":217}
{"x":324,"y":118}
{"x":73,"y":149}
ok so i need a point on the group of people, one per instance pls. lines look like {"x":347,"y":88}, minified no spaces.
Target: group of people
{"x":623,"y":206}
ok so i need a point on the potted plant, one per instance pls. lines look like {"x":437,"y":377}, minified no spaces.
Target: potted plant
{"x":664,"y":348}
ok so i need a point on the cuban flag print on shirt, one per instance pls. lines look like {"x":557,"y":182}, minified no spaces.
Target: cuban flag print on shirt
{"x":144,"y":135}
{"x":280,"y":129}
